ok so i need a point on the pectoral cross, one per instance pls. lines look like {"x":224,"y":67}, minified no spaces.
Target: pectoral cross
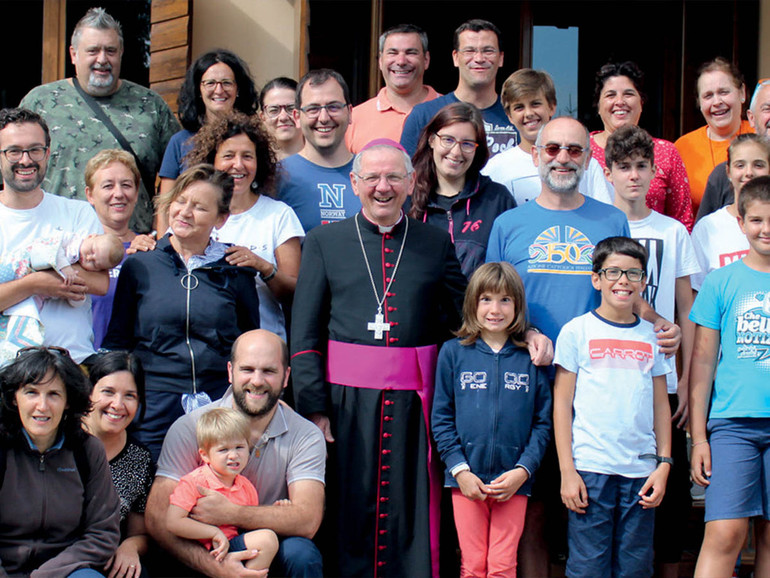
{"x":378,"y":326}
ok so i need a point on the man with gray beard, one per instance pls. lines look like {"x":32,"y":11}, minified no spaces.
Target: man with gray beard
{"x":97,"y":110}
{"x":550,"y":241}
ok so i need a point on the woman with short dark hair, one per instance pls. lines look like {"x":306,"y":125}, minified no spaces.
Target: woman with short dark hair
{"x":60,"y":513}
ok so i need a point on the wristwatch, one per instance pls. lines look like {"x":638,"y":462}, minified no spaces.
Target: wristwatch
{"x":659,"y":459}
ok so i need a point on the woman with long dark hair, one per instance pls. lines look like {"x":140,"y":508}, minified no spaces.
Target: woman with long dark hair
{"x":450,"y":192}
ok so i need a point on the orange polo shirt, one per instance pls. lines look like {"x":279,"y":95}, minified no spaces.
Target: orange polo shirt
{"x":700,"y":155}
{"x":378,"y":118}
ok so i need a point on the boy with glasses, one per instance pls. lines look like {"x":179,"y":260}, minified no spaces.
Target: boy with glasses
{"x":612,"y":421}
{"x":630,"y":162}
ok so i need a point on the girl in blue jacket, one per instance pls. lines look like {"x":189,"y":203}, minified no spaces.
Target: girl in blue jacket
{"x":491,"y":420}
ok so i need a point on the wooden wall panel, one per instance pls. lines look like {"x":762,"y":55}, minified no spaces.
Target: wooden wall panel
{"x":171,"y":47}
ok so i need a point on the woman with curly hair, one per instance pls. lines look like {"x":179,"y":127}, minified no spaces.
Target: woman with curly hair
{"x":265,"y":232}
{"x":217,"y":83}
{"x":60,"y":514}
{"x":450,"y":192}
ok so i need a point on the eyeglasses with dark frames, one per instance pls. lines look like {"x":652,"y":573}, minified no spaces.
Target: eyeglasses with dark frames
{"x":15,"y":154}
{"x":634,"y":275}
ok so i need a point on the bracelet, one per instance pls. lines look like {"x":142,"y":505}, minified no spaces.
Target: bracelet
{"x":700,"y":442}
{"x":268,"y":277}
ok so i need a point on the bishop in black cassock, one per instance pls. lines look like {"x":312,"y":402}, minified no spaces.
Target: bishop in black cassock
{"x":376,"y":294}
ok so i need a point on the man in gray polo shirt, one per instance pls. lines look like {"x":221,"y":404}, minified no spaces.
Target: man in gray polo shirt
{"x":286,"y":463}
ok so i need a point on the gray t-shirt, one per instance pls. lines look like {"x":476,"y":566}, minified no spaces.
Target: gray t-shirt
{"x":140,"y":114}
{"x":291,"y":449}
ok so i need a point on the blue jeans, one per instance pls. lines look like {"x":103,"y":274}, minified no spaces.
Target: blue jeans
{"x":614,"y":536}
{"x":297,"y":558}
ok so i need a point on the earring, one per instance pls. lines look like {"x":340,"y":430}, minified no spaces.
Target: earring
{"x":254,"y":185}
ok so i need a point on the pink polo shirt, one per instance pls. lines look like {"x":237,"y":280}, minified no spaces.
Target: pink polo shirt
{"x":186,"y":494}
{"x":377,"y":118}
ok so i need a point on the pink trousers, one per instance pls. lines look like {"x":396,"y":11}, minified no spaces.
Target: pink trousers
{"x":489,"y":533}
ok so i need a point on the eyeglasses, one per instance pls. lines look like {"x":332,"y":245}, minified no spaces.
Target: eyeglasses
{"x":211,"y":84}
{"x":448,"y":142}
{"x":15,"y":154}
{"x":553,"y":149}
{"x":486,"y":52}
{"x":39,"y":348}
{"x":274,"y":110}
{"x":393,"y":179}
{"x":634,"y":275}
{"x":333,"y":108}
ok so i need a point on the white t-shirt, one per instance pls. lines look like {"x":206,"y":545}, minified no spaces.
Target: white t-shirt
{"x":613,"y":407}
{"x":718,"y":241}
{"x":515,"y":169}
{"x":262,"y":229}
{"x":64,"y":325}
{"x":671,"y":256}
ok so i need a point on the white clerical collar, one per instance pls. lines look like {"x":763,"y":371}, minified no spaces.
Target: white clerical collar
{"x":383,"y":229}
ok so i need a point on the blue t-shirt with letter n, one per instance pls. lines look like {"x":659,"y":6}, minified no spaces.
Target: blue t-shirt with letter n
{"x":319,"y":195}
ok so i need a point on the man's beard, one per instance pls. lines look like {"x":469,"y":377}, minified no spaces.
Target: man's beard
{"x":564,"y":184}
{"x":98,"y":85}
{"x":269,"y":403}
{"x":9,"y":176}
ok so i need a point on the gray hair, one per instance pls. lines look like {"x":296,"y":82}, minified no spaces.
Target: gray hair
{"x":99,"y":19}
{"x":358,"y":160}
{"x":539,"y":139}
{"x":405,"y":29}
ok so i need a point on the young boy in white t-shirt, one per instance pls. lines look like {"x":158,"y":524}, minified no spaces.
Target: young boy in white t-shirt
{"x":529,"y":99}
{"x":612,"y":421}
{"x":629,"y":155}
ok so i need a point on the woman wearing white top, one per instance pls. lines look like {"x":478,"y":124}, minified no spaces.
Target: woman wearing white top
{"x":266,"y":232}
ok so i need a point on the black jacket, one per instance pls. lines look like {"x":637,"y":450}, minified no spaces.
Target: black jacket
{"x":184,"y":347}
{"x":469,"y":222}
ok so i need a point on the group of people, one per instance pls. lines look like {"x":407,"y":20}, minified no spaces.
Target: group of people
{"x":457,"y":284}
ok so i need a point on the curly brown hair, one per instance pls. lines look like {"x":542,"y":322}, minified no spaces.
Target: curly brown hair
{"x":211,"y":136}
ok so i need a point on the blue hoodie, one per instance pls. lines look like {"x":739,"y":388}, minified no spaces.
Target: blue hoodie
{"x":490,"y":410}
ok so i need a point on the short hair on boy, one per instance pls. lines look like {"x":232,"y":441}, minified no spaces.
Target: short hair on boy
{"x":626,"y":142}
{"x":757,"y":189}
{"x":494,"y":278}
{"x":527,"y":82}
{"x":221,"y":424}
{"x":621,"y":246}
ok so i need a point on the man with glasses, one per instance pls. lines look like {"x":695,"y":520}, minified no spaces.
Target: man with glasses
{"x":550,"y":241}
{"x":376,"y":293}
{"x":403,"y":60}
{"x":81,"y":109}
{"x":477,"y":55}
{"x":719,"y":190}
{"x":27,"y":214}
{"x":316,"y":181}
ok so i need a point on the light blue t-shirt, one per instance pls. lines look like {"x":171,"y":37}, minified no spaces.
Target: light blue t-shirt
{"x":501,"y":134}
{"x":552,"y":251}
{"x":318,"y":195}
{"x":735,"y":300}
